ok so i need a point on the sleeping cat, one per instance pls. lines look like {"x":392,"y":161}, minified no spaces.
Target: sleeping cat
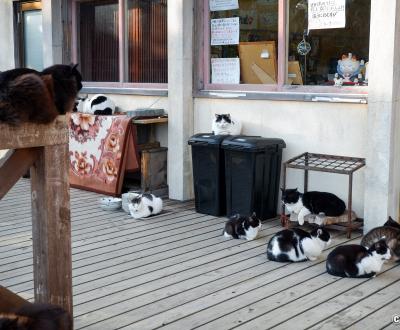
{"x":223,"y":124}
{"x":27,"y":95}
{"x":312,"y":202}
{"x":297,"y":245}
{"x":145,"y":205}
{"x":242,"y":227}
{"x":98,"y":104}
{"x":36,"y":317}
{"x":388,"y":233}
{"x":357,"y":261}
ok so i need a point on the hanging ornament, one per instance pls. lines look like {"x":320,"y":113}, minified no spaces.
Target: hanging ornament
{"x":304,"y":47}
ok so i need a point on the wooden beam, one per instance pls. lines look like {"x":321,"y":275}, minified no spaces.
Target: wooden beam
{"x":52,"y":227}
{"x":32,"y":135}
{"x":15,"y":167}
{"x":9,"y":301}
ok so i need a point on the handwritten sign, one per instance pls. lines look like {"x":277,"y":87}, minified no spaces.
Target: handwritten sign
{"x":225,"y":31}
{"x":326,"y":14}
{"x":223,"y":4}
{"x":225,"y":71}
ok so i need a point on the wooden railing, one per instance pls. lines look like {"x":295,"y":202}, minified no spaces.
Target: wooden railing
{"x":44,"y":150}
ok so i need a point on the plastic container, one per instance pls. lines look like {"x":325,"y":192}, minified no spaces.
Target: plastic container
{"x":253,"y":168}
{"x":208,"y":173}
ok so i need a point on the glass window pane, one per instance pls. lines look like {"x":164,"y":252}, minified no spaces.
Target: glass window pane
{"x":314,"y":55}
{"x":98,"y":40}
{"x":147,"y":41}
{"x":33,"y":39}
{"x":253,"y":58}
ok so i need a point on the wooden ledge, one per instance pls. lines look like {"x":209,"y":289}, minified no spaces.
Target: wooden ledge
{"x":29,"y":135}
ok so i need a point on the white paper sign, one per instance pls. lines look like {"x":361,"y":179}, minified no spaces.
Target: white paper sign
{"x":326,"y":14}
{"x":225,"y":71}
{"x":225,"y":31}
{"x":223,"y":4}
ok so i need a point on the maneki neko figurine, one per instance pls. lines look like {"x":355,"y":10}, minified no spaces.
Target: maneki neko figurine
{"x":348,"y":67}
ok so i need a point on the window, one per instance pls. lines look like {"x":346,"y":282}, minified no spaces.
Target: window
{"x":29,"y":46}
{"x":122,"y":42}
{"x":285,"y":45}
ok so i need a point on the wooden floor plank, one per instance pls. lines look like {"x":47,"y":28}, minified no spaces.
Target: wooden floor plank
{"x":178,"y":271}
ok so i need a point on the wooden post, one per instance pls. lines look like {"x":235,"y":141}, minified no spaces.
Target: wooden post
{"x":52,"y":227}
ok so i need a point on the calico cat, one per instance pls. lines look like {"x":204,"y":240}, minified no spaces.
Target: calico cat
{"x":297,"y":245}
{"x":36,"y":317}
{"x":145,"y":205}
{"x":98,"y":104}
{"x":27,"y":95}
{"x":242,"y":227}
{"x":357,"y":261}
{"x":312,"y":202}
{"x":223,"y":124}
{"x":388,"y":233}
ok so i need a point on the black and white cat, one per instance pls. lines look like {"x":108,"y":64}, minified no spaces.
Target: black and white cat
{"x":145,"y":205}
{"x":223,"y":124}
{"x":98,"y":104}
{"x":356,"y":260}
{"x":242,"y":227}
{"x":312,"y":202}
{"x":297,"y":245}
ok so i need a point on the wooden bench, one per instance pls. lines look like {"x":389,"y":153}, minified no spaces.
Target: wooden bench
{"x":44,"y":150}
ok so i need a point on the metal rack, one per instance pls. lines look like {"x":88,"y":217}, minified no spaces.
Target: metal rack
{"x":330,"y":164}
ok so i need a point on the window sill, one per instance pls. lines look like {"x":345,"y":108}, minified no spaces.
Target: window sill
{"x":291,"y":93}
{"x":124,"y":91}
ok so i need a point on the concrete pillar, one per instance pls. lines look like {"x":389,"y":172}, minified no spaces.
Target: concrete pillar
{"x":382,"y":177}
{"x":180,"y":97}
{"x":52,"y":32}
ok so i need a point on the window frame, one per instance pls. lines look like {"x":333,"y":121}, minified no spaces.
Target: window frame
{"x":120,"y":86}
{"x":279,"y":91}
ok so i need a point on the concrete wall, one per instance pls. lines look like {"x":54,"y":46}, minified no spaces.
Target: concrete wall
{"x":6,"y":36}
{"x":331,"y":128}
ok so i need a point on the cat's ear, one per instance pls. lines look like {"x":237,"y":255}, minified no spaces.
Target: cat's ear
{"x":237,"y":216}
{"x":254,"y":215}
{"x":73,"y":66}
{"x":319,"y":231}
{"x":282,"y":189}
{"x":216,"y":116}
{"x":296,"y":190}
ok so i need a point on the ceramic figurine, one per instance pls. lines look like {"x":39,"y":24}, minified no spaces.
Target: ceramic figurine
{"x":348,"y":67}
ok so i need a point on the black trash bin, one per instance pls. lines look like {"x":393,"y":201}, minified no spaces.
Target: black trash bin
{"x":208,"y":173}
{"x":253,"y":167}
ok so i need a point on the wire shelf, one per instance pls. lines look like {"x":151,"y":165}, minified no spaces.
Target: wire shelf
{"x":326,"y":163}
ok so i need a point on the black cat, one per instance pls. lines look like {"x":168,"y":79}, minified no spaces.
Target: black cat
{"x":27,"y":95}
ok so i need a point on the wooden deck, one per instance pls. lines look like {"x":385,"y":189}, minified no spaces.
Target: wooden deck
{"x":176,"y":271}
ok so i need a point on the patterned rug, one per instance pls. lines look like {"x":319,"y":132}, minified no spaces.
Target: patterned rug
{"x":102,"y":150}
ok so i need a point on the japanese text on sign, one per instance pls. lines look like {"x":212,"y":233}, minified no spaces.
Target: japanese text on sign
{"x":225,"y":31}
{"x":326,"y":14}
{"x":225,"y":70}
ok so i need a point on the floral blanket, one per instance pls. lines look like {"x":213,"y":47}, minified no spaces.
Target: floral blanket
{"x":101,"y":150}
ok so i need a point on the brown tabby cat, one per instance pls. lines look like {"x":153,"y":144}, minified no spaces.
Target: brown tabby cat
{"x":27,"y":95}
{"x":36,"y":317}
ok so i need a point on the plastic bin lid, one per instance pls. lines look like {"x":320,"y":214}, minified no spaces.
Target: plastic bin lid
{"x":207,"y":139}
{"x":252,"y":143}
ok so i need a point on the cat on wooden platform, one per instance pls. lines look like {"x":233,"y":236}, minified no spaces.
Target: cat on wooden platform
{"x":312,"y":202}
{"x":28,"y":95}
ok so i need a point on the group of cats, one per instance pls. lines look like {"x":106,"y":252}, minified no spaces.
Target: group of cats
{"x":294,"y":245}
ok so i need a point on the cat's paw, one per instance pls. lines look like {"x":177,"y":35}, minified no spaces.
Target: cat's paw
{"x":312,"y":258}
{"x":300,"y":220}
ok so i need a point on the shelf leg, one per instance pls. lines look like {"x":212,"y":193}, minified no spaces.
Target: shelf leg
{"x":349,"y":205}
